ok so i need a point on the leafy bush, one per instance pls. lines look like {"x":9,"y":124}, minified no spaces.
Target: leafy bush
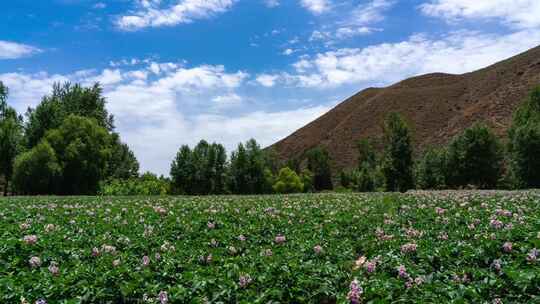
{"x":524,"y":143}
{"x":147,"y":184}
{"x":431,"y":169}
{"x":288,"y":182}
{"x":475,"y":158}
{"x":318,"y":162}
{"x":397,"y":164}
{"x":37,"y":171}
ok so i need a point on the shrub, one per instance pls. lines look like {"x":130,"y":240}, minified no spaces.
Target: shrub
{"x":475,"y":158}
{"x":318,"y":162}
{"x":431,"y":169}
{"x":37,"y":171}
{"x":288,"y":182}
{"x":147,"y":184}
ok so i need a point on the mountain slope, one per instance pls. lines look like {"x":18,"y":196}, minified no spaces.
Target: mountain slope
{"x":437,"y":107}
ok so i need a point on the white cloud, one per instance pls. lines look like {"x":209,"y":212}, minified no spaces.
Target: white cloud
{"x":267,"y":80}
{"x":151,"y":13}
{"x":100,"y":5}
{"x":288,"y":52}
{"x":271,"y":3}
{"x":156,"y":113}
{"x":370,"y":12}
{"x":227,"y":101}
{"x":385,"y":63}
{"x":355,"y":21}
{"x":12,"y":50}
{"x":516,"y":13}
{"x":316,"y":7}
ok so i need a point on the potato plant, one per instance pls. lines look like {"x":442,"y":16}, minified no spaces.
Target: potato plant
{"x":419,"y":247}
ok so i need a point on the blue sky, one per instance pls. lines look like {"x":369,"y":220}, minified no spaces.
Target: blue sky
{"x":176,"y":71}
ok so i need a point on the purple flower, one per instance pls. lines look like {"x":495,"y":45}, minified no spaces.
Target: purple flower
{"x":163,"y":297}
{"x":53,"y":269}
{"x":211,"y":225}
{"x":355,"y":292}
{"x":496,"y":265}
{"x":30,"y":239}
{"x":402,"y":272}
{"x":145,"y":261}
{"x":244,"y":281}
{"x":496,"y":224}
{"x":95,"y":252}
{"x":507,"y":247}
{"x":318,"y":249}
{"x":34,"y":262}
{"x":41,"y":301}
{"x":533,"y":255}
{"x":280,"y":239}
{"x":370,"y":266}
{"x":408,"y":248}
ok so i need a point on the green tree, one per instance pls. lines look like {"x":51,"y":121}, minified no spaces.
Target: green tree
{"x":307,"y":180}
{"x":123,"y":163}
{"x":247,"y":169}
{"x":200,"y":171}
{"x":219,"y":165}
{"x":431,"y":169}
{"x":288,"y":182}
{"x":318,"y":162}
{"x":37,"y":171}
{"x":83,"y":149}
{"x":11,"y":134}
{"x":366,"y":154}
{"x":66,"y":99}
{"x":397,"y":164}
{"x":182,"y":171}
{"x":475,"y":158}
{"x":524,"y":143}
{"x":366,"y":179}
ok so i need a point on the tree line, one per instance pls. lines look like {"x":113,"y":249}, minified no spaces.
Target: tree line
{"x":67,"y":145}
{"x":475,"y":158}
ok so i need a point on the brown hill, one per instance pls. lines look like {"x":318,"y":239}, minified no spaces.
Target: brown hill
{"x":436,"y":106}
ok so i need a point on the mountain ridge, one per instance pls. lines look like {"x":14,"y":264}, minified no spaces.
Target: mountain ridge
{"x":437,"y":107}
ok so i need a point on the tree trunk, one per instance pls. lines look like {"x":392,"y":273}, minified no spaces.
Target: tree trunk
{"x":6,"y":187}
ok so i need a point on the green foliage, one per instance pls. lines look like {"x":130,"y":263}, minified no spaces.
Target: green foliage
{"x":431,"y":169}
{"x":37,"y":171}
{"x":524,"y":143}
{"x":11,"y":135}
{"x":327,"y":241}
{"x":348,"y":178}
{"x":366,"y":154}
{"x":307,"y":180}
{"x":397,"y":164}
{"x":123,"y":164}
{"x":318,"y":162}
{"x":288,"y":182}
{"x":366,"y":180}
{"x":247,"y":169}
{"x":66,"y":100}
{"x":83,"y":150}
{"x":475,"y":158}
{"x":147,"y":184}
{"x":201,"y":171}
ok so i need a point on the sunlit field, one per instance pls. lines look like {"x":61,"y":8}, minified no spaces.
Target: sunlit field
{"x":459,"y":247}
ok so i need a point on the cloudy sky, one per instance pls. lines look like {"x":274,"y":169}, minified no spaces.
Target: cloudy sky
{"x":176,"y":71}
